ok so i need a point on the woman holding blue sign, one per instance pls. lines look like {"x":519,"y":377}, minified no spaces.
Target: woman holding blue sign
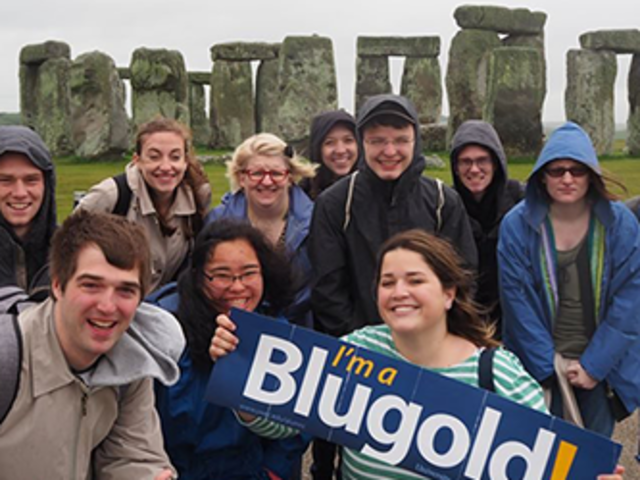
{"x":569,"y":266}
{"x":233,"y":265}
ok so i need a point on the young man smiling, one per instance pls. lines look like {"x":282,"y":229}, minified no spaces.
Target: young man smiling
{"x":27,"y":208}
{"x":355,"y":216}
{"x":84,"y":406}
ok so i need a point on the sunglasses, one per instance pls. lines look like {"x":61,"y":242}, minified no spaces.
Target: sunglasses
{"x":558,"y":172}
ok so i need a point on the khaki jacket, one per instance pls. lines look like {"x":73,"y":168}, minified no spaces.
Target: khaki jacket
{"x":167,"y":252}
{"x":59,"y":428}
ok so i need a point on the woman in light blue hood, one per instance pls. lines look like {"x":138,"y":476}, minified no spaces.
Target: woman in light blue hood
{"x":569,"y":270}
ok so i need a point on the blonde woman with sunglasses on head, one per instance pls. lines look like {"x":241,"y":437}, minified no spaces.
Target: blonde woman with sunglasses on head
{"x":264,"y":173}
{"x":569,"y":270}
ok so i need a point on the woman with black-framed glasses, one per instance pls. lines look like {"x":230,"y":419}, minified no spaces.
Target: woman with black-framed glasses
{"x":264,"y":173}
{"x":569,"y":268}
{"x":232,"y":265}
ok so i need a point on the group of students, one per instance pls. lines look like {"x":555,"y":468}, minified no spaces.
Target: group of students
{"x":361,"y":246}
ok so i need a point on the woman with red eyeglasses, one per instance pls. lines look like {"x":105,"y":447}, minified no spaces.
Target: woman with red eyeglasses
{"x":569,"y":269}
{"x":264,"y":172}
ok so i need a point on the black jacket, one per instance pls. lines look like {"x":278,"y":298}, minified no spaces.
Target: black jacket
{"x":23,"y":262}
{"x":321,"y":125}
{"x":485,"y":216}
{"x":344,"y":259}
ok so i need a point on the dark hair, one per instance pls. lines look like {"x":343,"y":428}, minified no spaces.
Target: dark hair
{"x":466,"y":319}
{"x":389,"y":120}
{"x":197,"y":313}
{"x":195,"y":176}
{"x":123,"y":243}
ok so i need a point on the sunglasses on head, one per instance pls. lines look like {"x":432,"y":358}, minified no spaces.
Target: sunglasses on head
{"x":559,"y":172}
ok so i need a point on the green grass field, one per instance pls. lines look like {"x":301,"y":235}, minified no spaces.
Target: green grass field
{"x":74,"y":175}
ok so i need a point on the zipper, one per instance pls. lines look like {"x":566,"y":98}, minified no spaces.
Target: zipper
{"x":76,"y":439}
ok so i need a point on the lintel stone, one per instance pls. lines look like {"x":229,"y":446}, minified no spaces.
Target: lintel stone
{"x":200,"y":78}
{"x":618,"y":41}
{"x":41,"y":52}
{"x":124,"y":73}
{"x":500,"y":19}
{"x":399,"y":46}
{"x":243,"y":51}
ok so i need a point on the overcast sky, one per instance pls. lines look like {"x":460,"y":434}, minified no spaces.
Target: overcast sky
{"x":117,"y":27}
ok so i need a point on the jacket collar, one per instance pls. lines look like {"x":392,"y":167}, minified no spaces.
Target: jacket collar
{"x":536,"y":210}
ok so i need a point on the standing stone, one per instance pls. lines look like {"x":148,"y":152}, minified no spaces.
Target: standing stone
{"x":633,"y":123}
{"x":307,"y":84}
{"x":372,"y":78}
{"x":232,"y":114}
{"x":515,"y":94}
{"x":160,"y":85}
{"x":500,"y":19}
{"x":267,"y":102}
{"x":533,"y":41}
{"x":200,"y":127}
{"x":589,"y":97}
{"x":99,"y":123}
{"x":466,"y":79}
{"x":422,"y":84}
{"x":44,"y":93}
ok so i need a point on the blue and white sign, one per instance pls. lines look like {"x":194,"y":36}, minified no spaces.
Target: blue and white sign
{"x":396,"y":411}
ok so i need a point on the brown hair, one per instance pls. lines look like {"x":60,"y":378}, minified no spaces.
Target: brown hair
{"x":195,"y":176}
{"x":123,"y":243}
{"x":466,"y":319}
{"x":599,"y":183}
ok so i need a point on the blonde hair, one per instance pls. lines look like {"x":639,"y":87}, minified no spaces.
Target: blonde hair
{"x":268,"y":145}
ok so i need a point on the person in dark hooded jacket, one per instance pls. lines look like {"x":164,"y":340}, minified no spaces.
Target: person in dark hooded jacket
{"x":333,"y":145}
{"x":479,"y":172}
{"x":27,"y":209}
{"x":387,"y":195}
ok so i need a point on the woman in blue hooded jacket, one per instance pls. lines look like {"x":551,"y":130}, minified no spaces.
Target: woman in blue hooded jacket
{"x":569,"y":269}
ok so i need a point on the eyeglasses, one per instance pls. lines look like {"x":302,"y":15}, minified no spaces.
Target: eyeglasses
{"x":380,"y":143}
{"x":481,"y":162}
{"x":558,"y":172}
{"x":224,"y":280}
{"x":258,"y":176}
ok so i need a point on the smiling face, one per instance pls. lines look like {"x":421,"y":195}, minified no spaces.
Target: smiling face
{"x":411,"y":298}
{"x":162,"y":161}
{"x":95,"y":307}
{"x":571,"y":186}
{"x":22,"y":189}
{"x":233,"y":277}
{"x":339,"y":150}
{"x":268,"y":191}
{"x":388,"y":151}
{"x":475,"y":169}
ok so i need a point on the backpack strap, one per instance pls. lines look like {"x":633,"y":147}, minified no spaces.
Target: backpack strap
{"x":485,"y":369}
{"x":124,"y":195}
{"x":349,"y":201}
{"x":10,"y":361}
{"x":440,"y":206}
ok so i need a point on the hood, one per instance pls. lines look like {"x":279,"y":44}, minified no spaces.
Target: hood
{"x":19,"y":139}
{"x":478,"y":132}
{"x":321,"y":125}
{"x":151,"y":347}
{"x":402,"y":106}
{"x":569,"y":141}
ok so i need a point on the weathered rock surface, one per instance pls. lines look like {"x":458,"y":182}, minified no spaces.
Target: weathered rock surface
{"x":245,"y":51}
{"x":41,"y":52}
{"x":618,"y":41}
{"x":200,"y":127}
{"x":500,"y":19}
{"x":466,"y":78}
{"x":372,"y":78}
{"x":99,"y":123}
{"x":515,"y":94}
{"x":267,"y":102}
{"x":200,"y":78}
{"x":160,"y":85}
{"x":434,"y":137}
{"x":589,"y":95}
{"x":398,"y":46}
{"x":232,"y":113}
{"x":422,"y":84}
{"x":533,"y":41}
{"x":633,"y":123}
{"x":307,"y":84}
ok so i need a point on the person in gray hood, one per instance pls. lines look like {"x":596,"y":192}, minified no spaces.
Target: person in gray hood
{"x":27,"y":208}
{"x":479,"y":172}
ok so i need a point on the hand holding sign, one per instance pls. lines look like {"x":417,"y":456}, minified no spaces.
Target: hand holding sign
{"x":223,"y":341}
